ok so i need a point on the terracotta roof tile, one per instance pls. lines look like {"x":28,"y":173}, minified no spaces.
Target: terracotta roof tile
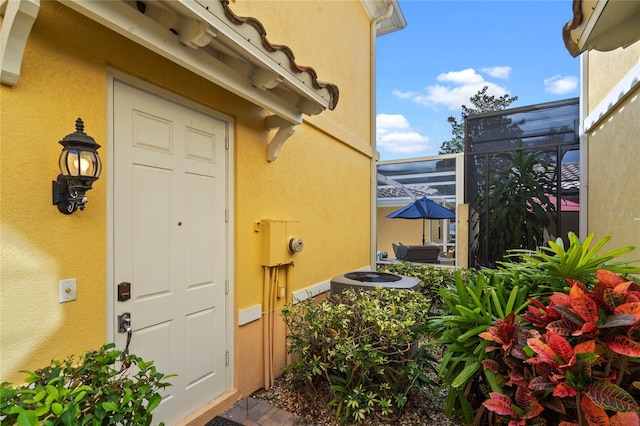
{"x":275,"y":48}
{"x":387,"y":191}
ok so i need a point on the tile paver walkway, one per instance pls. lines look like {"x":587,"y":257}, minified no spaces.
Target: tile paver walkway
{"x":252,"y":412}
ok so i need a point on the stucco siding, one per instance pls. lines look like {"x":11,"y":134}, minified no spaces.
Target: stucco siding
{"x":39,"y":245}
{"x":321,"y":178}
{"x":614,"y":176}
{"x":334,"y":38}
{"x":606,"y":69}
{"x":613,"y":146}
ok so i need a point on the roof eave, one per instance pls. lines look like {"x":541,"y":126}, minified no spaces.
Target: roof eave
{"x":601,"y":25}
{"x":376,"y":8}
{"x":231,"y":51}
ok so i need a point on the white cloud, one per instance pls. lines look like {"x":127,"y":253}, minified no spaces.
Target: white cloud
{"x":454,"y":97}
{"x":385,"y":122}
{"x":456,"y":87}
{"x":497,"y":72}
{"x":464,"y":77}
{"x":403,"y":95}
{"x":559,"y":85}
{"x":395,"y":135}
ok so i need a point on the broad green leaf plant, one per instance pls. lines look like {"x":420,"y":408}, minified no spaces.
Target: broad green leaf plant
{"x":469,"y":308}
{"x":573,"y":361}
{"x":102,"y":389}
{"x":515,"y":209}
{"x":579,"y":261}
{"x":481,"y":299}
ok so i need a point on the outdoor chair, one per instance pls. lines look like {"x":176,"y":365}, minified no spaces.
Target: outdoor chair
{"x":417,"y":253}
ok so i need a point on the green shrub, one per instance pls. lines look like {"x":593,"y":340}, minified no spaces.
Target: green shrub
{"x":486,"y":298}
{"x":93,"y":392}
{"x":432,"y":278}
{"x":574,"y":360}
{"x":469,"y":308}
{"x":362,"y":345}
{"x":579,"y":261}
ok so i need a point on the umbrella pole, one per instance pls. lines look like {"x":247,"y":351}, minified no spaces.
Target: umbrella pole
{"x":423,"y":231}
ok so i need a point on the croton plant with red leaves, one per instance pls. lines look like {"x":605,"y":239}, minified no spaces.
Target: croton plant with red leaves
{"x":575,"y":361}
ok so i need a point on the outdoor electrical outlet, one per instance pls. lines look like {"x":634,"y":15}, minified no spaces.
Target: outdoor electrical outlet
{"x":67,"y":290}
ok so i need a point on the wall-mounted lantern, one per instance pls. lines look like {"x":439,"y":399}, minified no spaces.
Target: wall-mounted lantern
{"x":80,"y":166}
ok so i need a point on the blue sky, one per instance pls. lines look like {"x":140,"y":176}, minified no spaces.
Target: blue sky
{"x":450,"y":49}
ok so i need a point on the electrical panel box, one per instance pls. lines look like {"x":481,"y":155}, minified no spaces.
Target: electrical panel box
{"x":280,"y":241}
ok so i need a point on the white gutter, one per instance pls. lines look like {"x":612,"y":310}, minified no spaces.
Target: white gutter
{"x":374,"y":159}
{"x":583,"y":215}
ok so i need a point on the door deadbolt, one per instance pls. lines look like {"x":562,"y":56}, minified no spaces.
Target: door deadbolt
{"x":124,"y":291}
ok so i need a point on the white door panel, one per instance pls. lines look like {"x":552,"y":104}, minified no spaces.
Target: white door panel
{"x":170,"y":242}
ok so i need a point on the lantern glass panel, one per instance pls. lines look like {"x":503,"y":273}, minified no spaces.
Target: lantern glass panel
{"x":76,"y":163}
{"x":65,"y":161}
{"x":97,"y":164}
{"x":72,"y":163}
{"x":89,"y":164}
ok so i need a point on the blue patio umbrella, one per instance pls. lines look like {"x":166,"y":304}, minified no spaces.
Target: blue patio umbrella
{"x":423,"y":208}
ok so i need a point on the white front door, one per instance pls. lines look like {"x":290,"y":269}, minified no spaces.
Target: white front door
{"x":170,"y":243}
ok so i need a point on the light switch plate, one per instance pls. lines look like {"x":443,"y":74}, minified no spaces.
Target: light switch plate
{"x":67,"y":290}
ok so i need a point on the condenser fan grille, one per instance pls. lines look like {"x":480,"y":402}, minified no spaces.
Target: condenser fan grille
{"x":373,"y":277}
{"x":368,"y":280}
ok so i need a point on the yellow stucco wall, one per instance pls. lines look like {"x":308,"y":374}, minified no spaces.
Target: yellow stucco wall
{"x":321,"y":178}
{"x":39,"y":245}
{"x":606,"y":69}
{"x":333,"y":38}
{"x":613,"y":146}
{"x":406,"y":231}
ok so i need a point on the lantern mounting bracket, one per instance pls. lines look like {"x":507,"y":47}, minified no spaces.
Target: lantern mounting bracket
{"x":61,"y":197}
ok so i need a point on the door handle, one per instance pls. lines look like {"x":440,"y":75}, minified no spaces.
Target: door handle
{"x":124,"y":326}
